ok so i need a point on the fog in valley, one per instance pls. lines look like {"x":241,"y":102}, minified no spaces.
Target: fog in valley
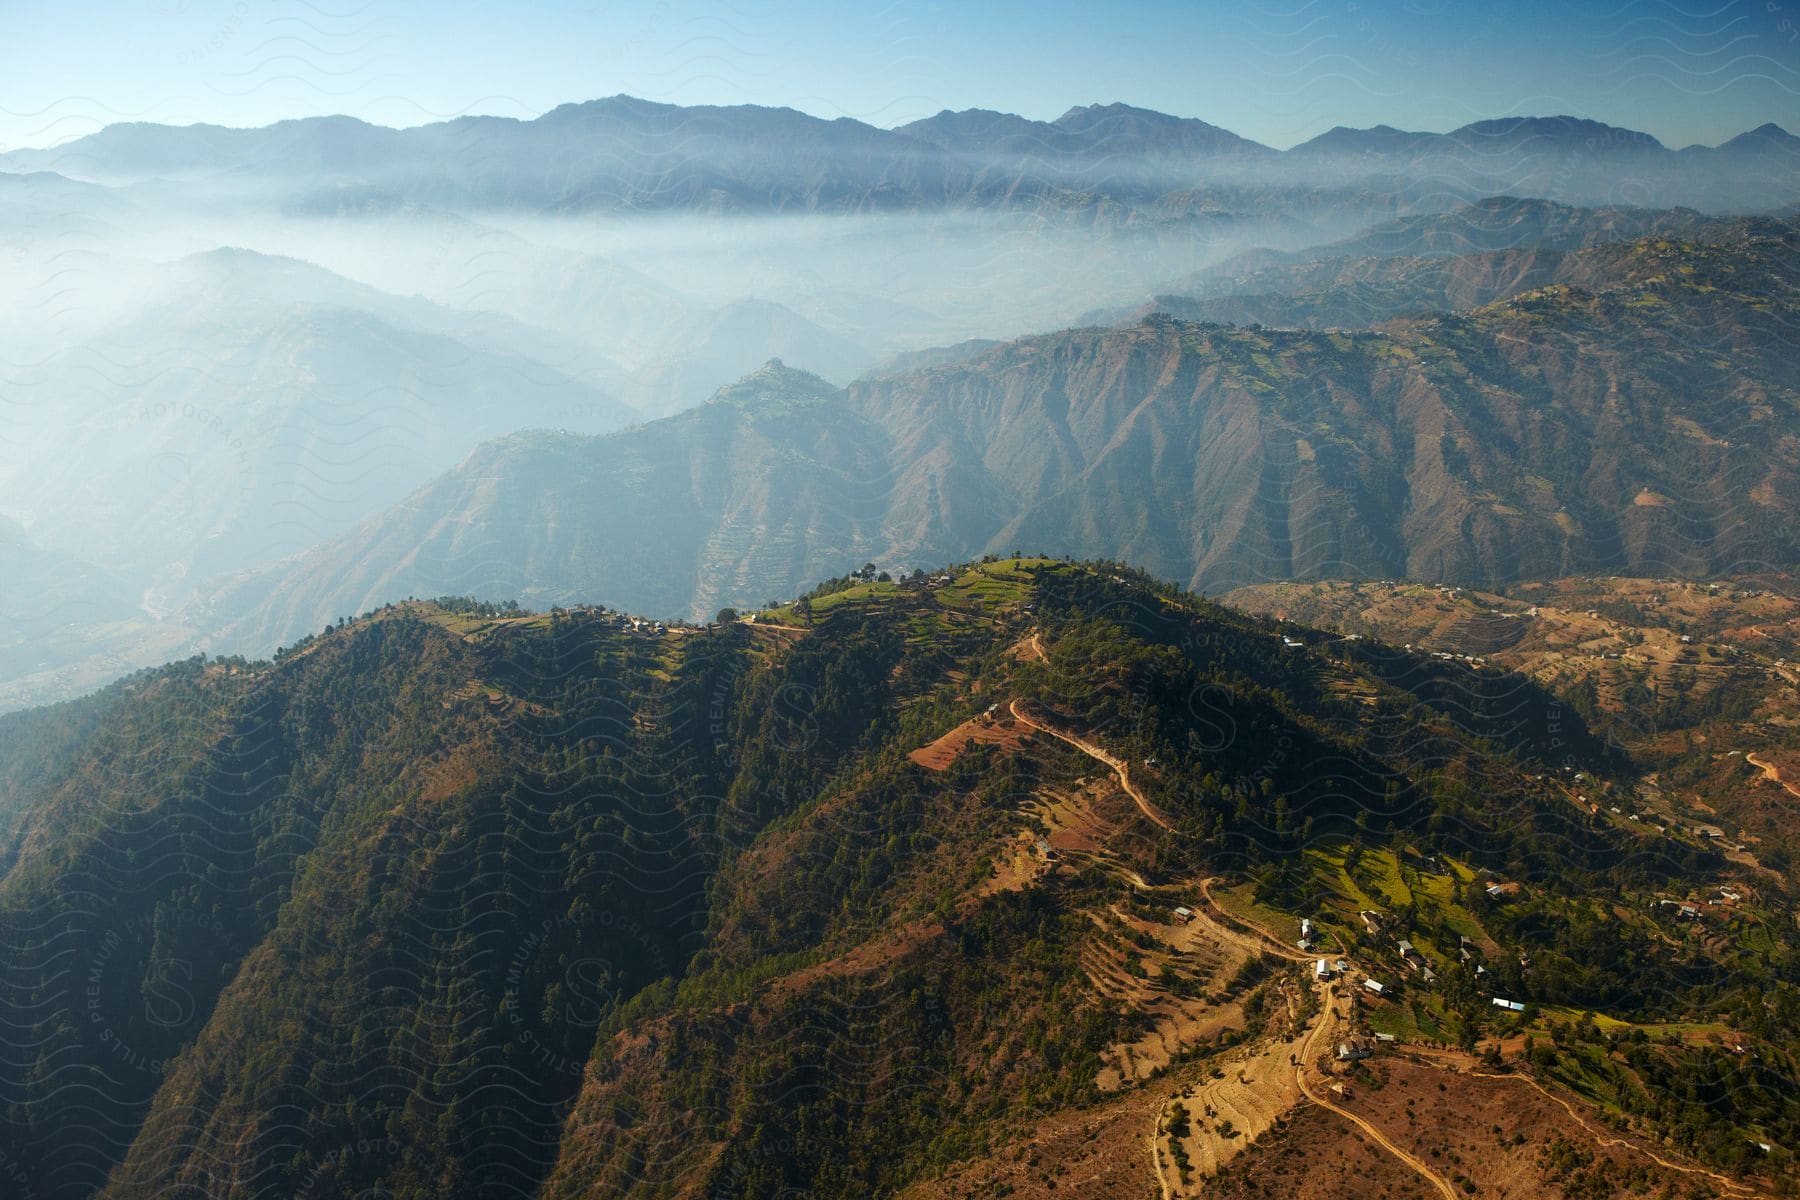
{"x":187,"y":398}
{"x":220,"y":349}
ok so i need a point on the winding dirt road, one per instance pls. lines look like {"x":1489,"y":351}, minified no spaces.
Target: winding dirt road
{"x":1268,"y":941}
{"x":1772,"y":772}
{"x":1310,"y":1054}
{"x":1118,"y":765}
{"x":1265,"y":940}
{"x":1725,"y":1181}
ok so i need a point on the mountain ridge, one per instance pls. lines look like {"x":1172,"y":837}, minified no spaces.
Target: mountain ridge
{"x":622,"y":104}
{"x":561,"y":904}
{"x":1457,"y":447}
{"x":631,"y":154}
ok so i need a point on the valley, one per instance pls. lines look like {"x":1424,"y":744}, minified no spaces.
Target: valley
{"x":768,"y":633}
{"x":1005,"y":876}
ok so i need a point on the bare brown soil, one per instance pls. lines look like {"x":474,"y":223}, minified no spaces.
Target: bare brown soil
{"x":1314,"y":1154}
{"x":995,"y":730}
{"x":1099,"y":1152}
{"x":1497,"y":1131}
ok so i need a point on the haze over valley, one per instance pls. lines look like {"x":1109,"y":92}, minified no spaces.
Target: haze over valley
{"x":681,"y":602}
{"x":235,"y":355}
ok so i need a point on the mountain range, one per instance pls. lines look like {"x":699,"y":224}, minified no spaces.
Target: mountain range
{"x":252,"y":405}
{"x":1635,"y":416}
{"x":627,"y":154}
{"x":653,"y":652}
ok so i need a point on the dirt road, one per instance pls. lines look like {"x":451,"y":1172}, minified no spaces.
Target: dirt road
{"x":1310,"y":1054}
{"x":1772,"y":772}
{"x":1119,"y":767}
{"x":1268,"y":940}
{"x":1725,"y":1181}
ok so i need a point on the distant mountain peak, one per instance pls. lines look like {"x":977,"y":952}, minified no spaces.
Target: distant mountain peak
{"x":776,"y":384}
{"x":1082,"y":110}
{"x":1086,"y":115}
{"x":1560,"y":127}
{"x":617,"y":103}
{"x":1766,"y":136}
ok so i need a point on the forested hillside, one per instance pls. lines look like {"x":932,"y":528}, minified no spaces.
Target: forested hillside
{"x":461,"y":900}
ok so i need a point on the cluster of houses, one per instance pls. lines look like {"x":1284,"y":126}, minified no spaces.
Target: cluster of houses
{"x":1700,"y":910}
{"x":1377,"y":925}
{"x":1416,"y":962}
{"x":630,"y":624}
{"x":1354,"y":1049}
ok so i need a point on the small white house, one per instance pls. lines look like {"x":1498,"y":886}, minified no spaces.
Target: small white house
{"x":1183,"y":913}
{"x":1508,"y":1005}
{"x":1322,"y":970}
{"x":1374,"y":985}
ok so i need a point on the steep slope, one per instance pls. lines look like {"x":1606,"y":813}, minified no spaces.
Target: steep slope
{"x":774,"y":481}
{"x":254,"y":405}
{"x":1472,"y":255}
{"x":69,"y":626}
{"x":1642,"y":423}
{"x":459,"y":901}
{"x":1691,"y":679}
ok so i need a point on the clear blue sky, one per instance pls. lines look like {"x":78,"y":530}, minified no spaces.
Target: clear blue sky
{"x":1279,"y":71}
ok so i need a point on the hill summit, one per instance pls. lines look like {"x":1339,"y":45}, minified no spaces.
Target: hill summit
{"x":458,"y":898}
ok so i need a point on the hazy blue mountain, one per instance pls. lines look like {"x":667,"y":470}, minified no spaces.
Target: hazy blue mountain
{"x":730,"y":342}
{"x":1559,"y":157}
{"x":1087,"y":133}
{"x":631,"y":155}
{"x":253,"y":405}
